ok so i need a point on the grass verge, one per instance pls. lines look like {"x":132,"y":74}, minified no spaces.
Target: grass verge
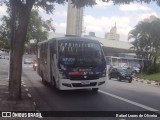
{"x":155,"y":76}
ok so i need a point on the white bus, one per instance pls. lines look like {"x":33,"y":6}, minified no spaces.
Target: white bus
{"x":123,"y":61}
{"x":72,"y":63}
{"x":135,"y":63}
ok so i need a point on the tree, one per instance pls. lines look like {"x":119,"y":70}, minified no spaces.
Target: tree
{"x":37,"y":29}
{"x":4,"y":33}
{"x":20,"y":12}
{"x":132,"y":1}
{"x":141,"y":35}
{"x":20,"y":15}
{"x":146,"y":40}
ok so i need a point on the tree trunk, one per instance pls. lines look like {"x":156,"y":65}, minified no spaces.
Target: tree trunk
{"x":17,"y":49}
{"x":12,"y":36}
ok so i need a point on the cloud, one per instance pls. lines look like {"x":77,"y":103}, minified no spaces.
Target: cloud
{"x":134,"y":7}
{"x":40,"y":9}
{"x":60,"y":27}
{"x":125,"y":20}
{"x":3,"y":10}
{"x":93,"y":22}
{"x":60,"y":14}
{"x":103,"y":4}
{"x":104,"y":24}
{"x":147,"y":15}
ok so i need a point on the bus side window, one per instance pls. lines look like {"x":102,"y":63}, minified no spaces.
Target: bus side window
{"x":38,"y":52}
{"x":53,"y":50}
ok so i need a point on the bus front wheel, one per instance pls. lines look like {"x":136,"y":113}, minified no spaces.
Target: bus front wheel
{"x":95,"y":89}
{"x":43,"y":80}
{"x":54,"y":83}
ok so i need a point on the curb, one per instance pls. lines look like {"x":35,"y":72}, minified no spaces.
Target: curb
{"x":30,"y":96}
{"x":147,"y":81}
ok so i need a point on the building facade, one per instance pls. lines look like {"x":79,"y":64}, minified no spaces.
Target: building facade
{"x":112,"y":35}
{"x":74,"y":20}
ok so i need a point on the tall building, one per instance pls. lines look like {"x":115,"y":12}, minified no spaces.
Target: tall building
{"x":74,"y":20}
{"x":112,"y":35}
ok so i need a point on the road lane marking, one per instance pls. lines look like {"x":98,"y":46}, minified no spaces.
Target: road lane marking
{"x":129,"y":101}
{"x":27,"y":66}
{"x":34,"y":103}
{"x":29,"y":95}
{"x":3,"y":84}
{"x":26,"y":89}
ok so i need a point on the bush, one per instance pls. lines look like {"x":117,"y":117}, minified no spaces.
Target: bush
{"x":153,"y":69}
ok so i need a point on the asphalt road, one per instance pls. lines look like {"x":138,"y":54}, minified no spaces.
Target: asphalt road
{"x":4,"y":67}
{"x":115,"y":96}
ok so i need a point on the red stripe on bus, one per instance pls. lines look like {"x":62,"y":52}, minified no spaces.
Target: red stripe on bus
{"x":75,"y":73}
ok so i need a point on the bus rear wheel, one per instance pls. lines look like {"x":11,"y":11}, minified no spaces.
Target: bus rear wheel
{"x":95,"y":89}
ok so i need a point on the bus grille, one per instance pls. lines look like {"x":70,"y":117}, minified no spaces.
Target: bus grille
{"x":80,"y":85}
{"x":82,"y":77}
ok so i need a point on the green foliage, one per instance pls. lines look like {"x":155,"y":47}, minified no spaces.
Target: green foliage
{"x":4,"y":33}
{"x":153,"y":69}
{"x":155,"y":76}
{"x":38,"y":29}
{"x":48,"y":5}
{"x":146,"y":38}
{"x":20,"y":10}
{"x":132,"y":1}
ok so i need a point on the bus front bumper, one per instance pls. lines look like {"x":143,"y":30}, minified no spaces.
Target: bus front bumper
{"x":66,"y":84}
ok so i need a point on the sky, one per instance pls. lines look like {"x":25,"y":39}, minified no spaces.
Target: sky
{"x":102,"y":17}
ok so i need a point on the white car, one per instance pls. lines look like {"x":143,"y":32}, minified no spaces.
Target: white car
{"x":135,"y":69}
{"x":28,"y":61}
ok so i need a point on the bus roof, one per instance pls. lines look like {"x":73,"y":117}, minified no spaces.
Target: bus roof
{"x":71,"y":38}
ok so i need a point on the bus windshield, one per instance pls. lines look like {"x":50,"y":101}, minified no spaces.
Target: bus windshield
{"x":80,"y":53}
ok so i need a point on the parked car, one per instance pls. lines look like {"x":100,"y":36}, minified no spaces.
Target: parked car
{"x":120,"y":74}
{"x":7,"y":57}
{"x":28,"y":61}
{"x":134,"y":70}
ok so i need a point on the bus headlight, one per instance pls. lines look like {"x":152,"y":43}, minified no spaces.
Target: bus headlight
{"x":104,"y":73}
{"x":61,"y":74}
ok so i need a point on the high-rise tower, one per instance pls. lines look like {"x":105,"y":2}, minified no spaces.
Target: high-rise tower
{"x":112,"y":35}
{"x":74,"y":20}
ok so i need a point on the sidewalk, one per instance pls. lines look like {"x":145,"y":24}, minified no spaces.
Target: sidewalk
{"x":25,"y":104}
{"x":152,"y":82}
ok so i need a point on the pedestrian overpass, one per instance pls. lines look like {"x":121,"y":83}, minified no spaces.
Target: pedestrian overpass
{"x":114,"y":48}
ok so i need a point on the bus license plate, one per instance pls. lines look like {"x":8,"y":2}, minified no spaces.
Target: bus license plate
{"x":85,"y":82}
